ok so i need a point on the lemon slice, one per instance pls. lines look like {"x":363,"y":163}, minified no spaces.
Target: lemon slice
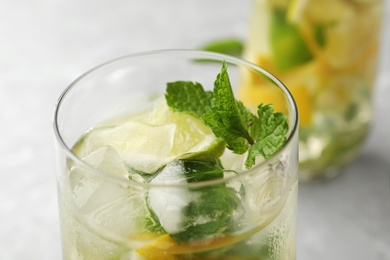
{"x":150,"y":140}
{"x":303,"y":83}
{"x":166,"y":246}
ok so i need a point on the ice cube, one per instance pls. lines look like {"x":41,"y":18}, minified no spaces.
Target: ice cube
{"x":168,"y":202}
{"x":266,"y":194}
{"x":91,"y":190}
{"x":107,"y":159}
{"x":173,"y":173}
{"x":107,"y":206}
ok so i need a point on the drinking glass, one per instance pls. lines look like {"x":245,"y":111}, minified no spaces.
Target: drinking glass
{"x":106,"y":215}
{"x":326,"y":53}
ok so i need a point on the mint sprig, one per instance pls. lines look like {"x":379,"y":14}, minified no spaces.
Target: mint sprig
{"x":224,"y":118}
{"x":262,"y":134}
{"x":188,"y":97}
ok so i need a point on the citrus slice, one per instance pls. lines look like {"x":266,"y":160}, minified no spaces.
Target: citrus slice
{"x":149,"y":140}
{"x":288,"y":47}
{"x":254,"y":94}
{"x":166,"y":246}
{"x":302,"y":82}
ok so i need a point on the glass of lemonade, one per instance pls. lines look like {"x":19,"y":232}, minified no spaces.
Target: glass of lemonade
{"x":325,"y":52}
{"x":138,"y":179}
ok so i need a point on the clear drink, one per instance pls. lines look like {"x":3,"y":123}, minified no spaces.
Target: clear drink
{"x":325,"y":52}
{"x":114,"y":127}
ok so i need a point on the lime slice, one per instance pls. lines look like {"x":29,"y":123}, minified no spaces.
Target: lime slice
{"x":289,"y":48}
{"x":148,"y":141}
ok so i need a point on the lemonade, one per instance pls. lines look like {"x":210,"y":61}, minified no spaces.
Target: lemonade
{"x":168,"y":178}
{"x":325,"y":52}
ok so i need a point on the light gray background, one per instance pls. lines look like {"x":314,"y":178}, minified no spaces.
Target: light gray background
{"x":45,"y":44}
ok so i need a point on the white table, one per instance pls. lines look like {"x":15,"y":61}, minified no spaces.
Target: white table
{"x":45,"y":44}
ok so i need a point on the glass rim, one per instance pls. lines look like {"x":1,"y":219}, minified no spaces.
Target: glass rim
{"x":201,"y":54}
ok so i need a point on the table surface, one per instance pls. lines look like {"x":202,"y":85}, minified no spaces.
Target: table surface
{"x":46,"y":44}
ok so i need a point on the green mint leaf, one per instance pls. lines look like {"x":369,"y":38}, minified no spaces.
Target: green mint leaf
{"x":215,"y":203}
{"x":234,"y":142}
{"x":208,"y":211}
{"x":230,"y":46}
{"x":262,"y":134}
{"x":248,"y":119}
{"x":270,"y":134}
{"x":188,"y":97}
{"x":224,"y":118}
{"x":202,"y":170}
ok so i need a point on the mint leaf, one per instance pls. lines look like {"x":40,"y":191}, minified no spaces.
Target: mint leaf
{"x":202,"y":170}
{"x":248,"y":119}
{"x":224,"y":118}
{"x":270,"y":134}
{"x":207,"y":211}
{"x":216,"y":204}
{"x":188,"y":97}
{"x":231,"y":46}
{"x":236,"y":143}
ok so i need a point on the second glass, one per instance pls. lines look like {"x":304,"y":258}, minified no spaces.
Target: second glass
{"x":325,"y":52}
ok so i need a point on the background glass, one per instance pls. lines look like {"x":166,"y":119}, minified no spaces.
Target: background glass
{"x":101,"y":225}
{"x":326,"y":53}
